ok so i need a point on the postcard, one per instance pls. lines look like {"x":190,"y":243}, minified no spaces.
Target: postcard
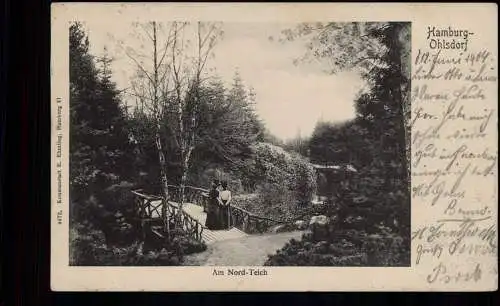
{"x":274,"y":147}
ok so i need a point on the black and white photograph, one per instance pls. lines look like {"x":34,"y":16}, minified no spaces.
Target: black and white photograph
{"x":197,"y":143}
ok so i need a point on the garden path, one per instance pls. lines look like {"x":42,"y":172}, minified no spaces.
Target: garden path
{"x":250,"y":250}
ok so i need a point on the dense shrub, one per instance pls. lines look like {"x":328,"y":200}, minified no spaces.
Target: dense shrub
{"x":88,"y":248}
{"x":323,"y":253}
{"x":371,"y":206}
{"x":386,"y":250}
{"x":370,"y":209}
{"x":85,"y":243}
{"x":276,"y":200}
{"x":118,"y":197}
{"x":354,"y":249}
{"x":257,"y":204}
{"x":184,"y":244}
{"x":283,"y":180}
{"x":273,"y":164}
{"x":207,"y":176}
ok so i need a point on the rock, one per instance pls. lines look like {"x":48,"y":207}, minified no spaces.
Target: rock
{"x":320,"y":220}
{"x":175,"y":260}
{"x":321,"y":247}
{"x":319,"y":227}
{"x":346,"y":244}
{"x":300,"y":224}
{"x":285,"y":228}
{"x":280,"y":228}
{"x":275,"y":228}
{"x":321,"y":244}
{"x":140,"y":249}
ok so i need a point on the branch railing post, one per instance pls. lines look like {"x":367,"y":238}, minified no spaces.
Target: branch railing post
{"x":237,"y":217}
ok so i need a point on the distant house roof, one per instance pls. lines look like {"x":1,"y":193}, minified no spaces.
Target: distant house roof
{"x":348,"y":167}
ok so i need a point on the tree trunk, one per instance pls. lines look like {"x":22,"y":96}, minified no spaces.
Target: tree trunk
{"x":186,"y":156}
{"x":400,"y":50}
{"x":164,"y":184}
{"x":180,"y":124}
{"x":182,"y":143}
{"x":182,"y":185}
{"x":159,"y":147}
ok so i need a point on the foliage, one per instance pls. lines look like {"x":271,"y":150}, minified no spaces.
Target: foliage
{"x":276,"y":201}
{"x":106,"y":150}
{"x":274,"y":165}
{"x":339,"y":143}
{"x":307,"y":253}
{"x":376,"y":196}
{"x":227,"y":126}
{"x":298,"y":145}
{"x":170,"y":90}
{"x":89,"y":248}
{"x":113,"y":152}
{"x":354,"y":249}
{"x":99,"y":144}
{"x":282,"y":180}
{"x":277,"y":209}
{"x":215,"y":172}
{"x":375,"y":143}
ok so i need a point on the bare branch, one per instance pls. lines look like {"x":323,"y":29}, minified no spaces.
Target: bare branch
{"x":167,"y":45}
{"x":212,"y":29}
{"x":176,"y":68}
{"x":146,"y":31}
{"x":138,"y":65}
{"x":164,"y":75}
{"x":138,"y":95}
{"x":359,"y":61}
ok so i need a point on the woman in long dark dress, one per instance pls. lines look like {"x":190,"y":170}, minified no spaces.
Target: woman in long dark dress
{"x":212,"y":221}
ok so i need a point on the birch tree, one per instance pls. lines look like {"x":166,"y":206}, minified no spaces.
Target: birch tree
{"x":188,"y":79}
{"x":150,"y":87}
{"x":167,"y":87}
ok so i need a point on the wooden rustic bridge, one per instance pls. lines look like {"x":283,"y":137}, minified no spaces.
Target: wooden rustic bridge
{"x":152,"y":210}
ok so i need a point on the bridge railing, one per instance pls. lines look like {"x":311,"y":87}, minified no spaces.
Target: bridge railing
{"x":250,"y":222}
{"x":190,"y":225}
{"x":150,"y":208}
{"x":239,"y":217}
{"x":194,"y":195}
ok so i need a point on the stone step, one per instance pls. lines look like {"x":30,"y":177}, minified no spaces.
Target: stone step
{"x":210,"y":236}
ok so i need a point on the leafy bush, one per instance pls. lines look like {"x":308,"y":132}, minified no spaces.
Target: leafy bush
{"x":207,"y":176}
{"x":386,"y":250}
{"x":88,"y":248}
{"x":355,"y":249}
{"x":284,"y":181}
{"x":111,"y":211}
{"x":306,"y":253}
{"x":185,"y":244}
{"x":84,"y":244}
{"x":266,"y":204}
{"x":276,"y":201}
